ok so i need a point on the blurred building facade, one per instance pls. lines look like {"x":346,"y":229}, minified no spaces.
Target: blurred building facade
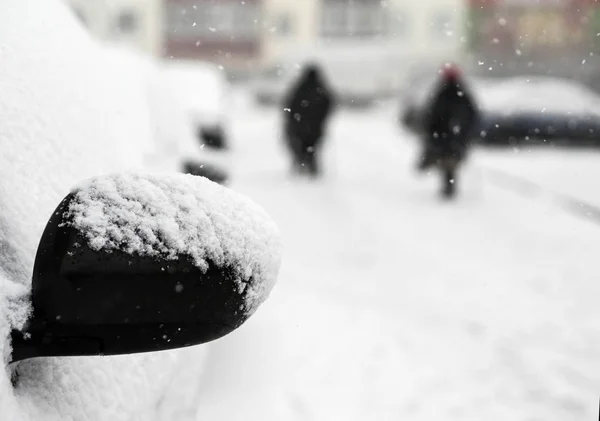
{"x":558,"y":38}
{"x":248,"y":34}
{"x":135,"y":23}
{"x":380,"y":40}
{"x":225,"y":31}
{"x":427,"y":29}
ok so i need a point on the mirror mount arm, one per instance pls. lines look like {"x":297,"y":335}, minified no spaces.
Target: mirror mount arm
{"x":27,"y":343}
{"x":35,"y":340}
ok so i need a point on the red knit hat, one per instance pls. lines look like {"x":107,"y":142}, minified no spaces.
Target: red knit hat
{"x":450,"y":72}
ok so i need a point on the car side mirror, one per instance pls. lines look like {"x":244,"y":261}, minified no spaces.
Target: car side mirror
{"x":133,"y":263}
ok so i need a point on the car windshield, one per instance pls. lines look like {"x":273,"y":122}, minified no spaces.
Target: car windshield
{"x":299,"y":210}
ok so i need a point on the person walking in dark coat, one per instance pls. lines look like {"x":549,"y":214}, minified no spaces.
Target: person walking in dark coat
{"x":448,"y":123}
{"x":307,"y":108}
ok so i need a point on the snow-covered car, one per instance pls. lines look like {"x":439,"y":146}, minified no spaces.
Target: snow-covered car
{"x":69,"y":114}
{"x":519,"y":109}
{"x":203,"y":90}
{"x":182,"y":124}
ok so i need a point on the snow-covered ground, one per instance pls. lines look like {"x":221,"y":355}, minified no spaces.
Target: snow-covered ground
{"x":548,"y":174}
{"x":392,"y":304}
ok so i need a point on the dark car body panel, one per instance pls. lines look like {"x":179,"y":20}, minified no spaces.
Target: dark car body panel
{"x":517,"y":126}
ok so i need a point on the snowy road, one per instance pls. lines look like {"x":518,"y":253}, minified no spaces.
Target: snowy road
{"x":393,"y":305}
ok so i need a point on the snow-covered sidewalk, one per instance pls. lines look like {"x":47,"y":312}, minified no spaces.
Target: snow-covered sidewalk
{"x":393,"y":305}
{"x":568,"y":178}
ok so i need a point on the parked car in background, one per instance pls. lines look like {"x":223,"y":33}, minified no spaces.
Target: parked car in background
{"x":516,"y":110}
{"x":203,"y":91}
{"x":199,"y":96}
{"x":538,"y":109}
{"x":187,"y":125}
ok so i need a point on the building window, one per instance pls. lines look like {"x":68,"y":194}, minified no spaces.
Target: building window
{"x":284,"y":25}
{"x":334,"y":20}
{"x":346,"y":18}
{"x":219,"y":20}
{"x":127,"y":22}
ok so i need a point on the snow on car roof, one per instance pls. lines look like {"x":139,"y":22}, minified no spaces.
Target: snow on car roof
{"x":172,"y":215}
{"x":536,"y":94}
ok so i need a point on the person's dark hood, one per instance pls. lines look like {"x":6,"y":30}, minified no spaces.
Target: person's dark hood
{"x":313,"y":75}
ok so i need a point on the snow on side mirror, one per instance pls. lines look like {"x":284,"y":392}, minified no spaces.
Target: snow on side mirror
{"x":133,"y":263}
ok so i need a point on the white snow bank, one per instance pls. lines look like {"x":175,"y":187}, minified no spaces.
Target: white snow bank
{"x":175,"y":215}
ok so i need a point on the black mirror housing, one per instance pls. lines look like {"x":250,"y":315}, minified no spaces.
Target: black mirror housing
{"x":202,"y":169}
{"x":105,"y":282}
